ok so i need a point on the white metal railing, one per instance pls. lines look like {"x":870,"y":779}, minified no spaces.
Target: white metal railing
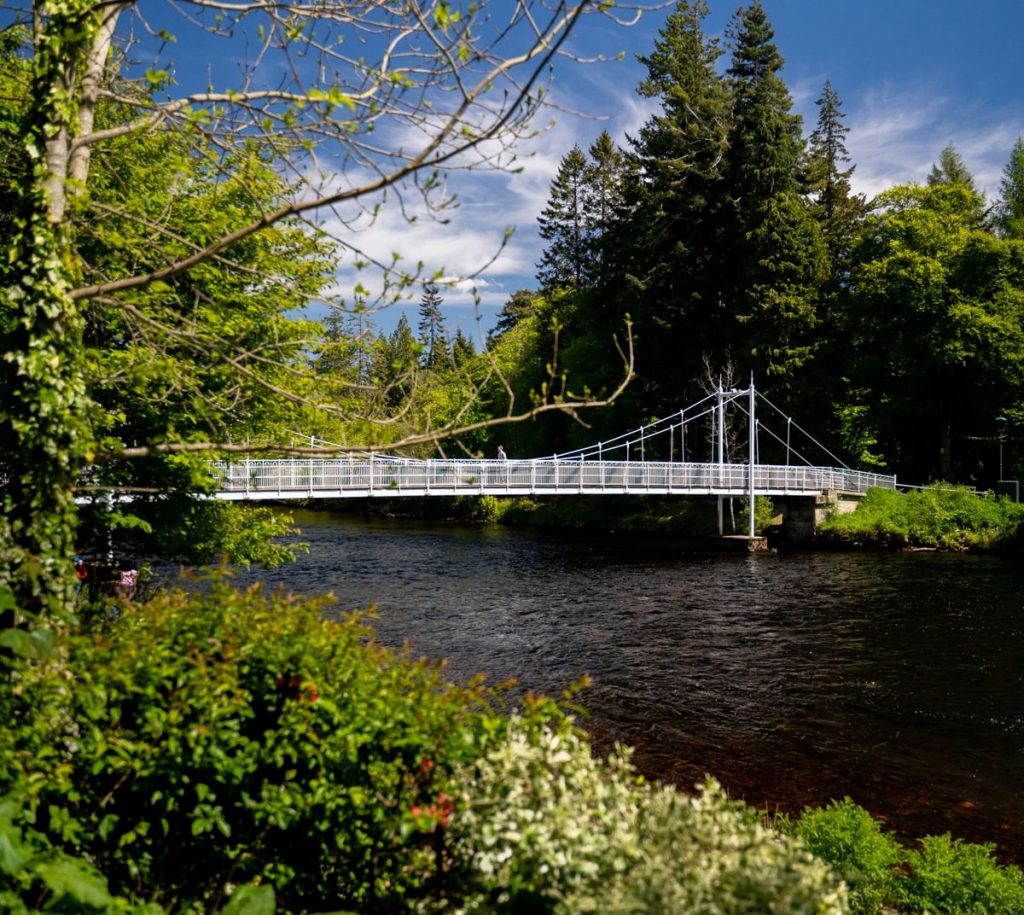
{"x":383,"y":476}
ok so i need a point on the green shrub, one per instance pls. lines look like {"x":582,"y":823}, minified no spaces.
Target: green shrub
{"x":847,"y":837}
{"x":35,"y":877}
{"x":956,"y":877}
{"x":544,"y":827}
{"x":479,"y":509}
{"x":937,"y":516}
{"x":764,"y":514}
{"x":228,"y":738}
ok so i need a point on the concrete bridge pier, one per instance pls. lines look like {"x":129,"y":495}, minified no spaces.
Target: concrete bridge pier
{"x":801,"y":515}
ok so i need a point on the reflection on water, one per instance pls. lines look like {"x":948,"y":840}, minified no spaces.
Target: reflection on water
{"x":895,"y":679}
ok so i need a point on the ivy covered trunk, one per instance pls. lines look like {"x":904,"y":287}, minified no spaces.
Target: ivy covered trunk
{"x":44,"y":428}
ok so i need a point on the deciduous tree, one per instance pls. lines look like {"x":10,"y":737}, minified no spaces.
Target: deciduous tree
{"x":937,"y":328}
{"x":329,"y":89}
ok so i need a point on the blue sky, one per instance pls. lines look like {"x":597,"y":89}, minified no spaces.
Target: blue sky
{"x":912,"y":75}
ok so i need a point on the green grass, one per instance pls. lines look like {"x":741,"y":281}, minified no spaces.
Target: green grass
{"x":942,"y":517}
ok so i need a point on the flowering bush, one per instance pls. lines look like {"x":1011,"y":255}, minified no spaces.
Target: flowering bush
{"x":542,"y":826}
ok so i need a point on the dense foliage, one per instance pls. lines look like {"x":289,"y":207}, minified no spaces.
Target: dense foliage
{"x":942,"y":874}
{"x":234,"y":739}
{"x":891,"y":327}
{"x":937,"y":516}
{"x":239,"y":752}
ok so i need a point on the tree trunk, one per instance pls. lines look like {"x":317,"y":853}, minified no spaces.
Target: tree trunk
{"x":44,"y":419}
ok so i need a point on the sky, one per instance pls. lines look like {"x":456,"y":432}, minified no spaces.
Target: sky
{"x":913,"y":76}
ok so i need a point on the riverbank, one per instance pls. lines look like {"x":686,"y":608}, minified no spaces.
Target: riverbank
{"x":939,"y":517}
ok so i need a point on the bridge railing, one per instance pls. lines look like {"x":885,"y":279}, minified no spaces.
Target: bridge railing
{"x":382,"y":476}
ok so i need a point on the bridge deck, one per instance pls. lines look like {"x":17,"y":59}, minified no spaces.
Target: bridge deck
{"x":349,"y":478}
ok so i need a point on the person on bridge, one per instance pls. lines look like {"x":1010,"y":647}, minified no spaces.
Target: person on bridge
{"x":501,"y":453}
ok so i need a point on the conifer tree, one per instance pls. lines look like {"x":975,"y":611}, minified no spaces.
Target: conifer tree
{"x":669,"y":247}
{"x":765,"y":142}
{"x":1011,"y":204}
{"x":521,"y":304}
{"x":395,"y":364}
{"x":778,"y":256}
{"x":951,"y":169}
{"x":433,"y":335}
{"x":563,"y":226}
{"x":602,"y":199}
{"x":462,"y":349}
{"x":837,"y":210}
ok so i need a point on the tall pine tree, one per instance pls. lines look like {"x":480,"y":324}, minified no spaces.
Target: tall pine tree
{"x":951,"y":169}
{"x":778,"y":256}
{"x":565,"y":262}
{"x":668,"y":249}
{"x":603,"y":200}
{"x":1011,"y":203}
{"x":433,"y":334}
{"x":837,"y":210}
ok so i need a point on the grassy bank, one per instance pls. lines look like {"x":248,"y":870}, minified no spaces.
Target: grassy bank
{"x":937,"y":517}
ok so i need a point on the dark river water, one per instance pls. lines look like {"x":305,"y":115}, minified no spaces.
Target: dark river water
{"x":793,"y":678}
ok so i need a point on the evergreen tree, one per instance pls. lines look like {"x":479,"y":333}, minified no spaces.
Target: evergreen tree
{"x":765,"y":142}
{"x":433,"y":335}
{"x":951,"y":169}
{"x":602,"y":199}
{"x":521,"y":304}
{"x":777,"y":251}
{"x":565,"y":261}
{"x":395,"y":364}
{"x":345,"y":351}
{"x":669,"y":275}
{"x":462,"y":349}
{"x":1011,"y":204}
{"x":837,"y":210}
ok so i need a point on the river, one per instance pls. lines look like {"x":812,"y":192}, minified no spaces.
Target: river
{"x":793,"y":678}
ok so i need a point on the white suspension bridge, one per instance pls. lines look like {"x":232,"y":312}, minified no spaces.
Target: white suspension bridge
{"x":619,"y":466}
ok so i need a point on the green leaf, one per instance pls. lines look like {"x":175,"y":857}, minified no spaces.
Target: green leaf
{"x":37,"y":645}
{"x":252,"y":900}
{"x":12,"y":861}
{"x":67,"y":877}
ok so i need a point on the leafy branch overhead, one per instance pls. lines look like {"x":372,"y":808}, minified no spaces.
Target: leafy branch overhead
{"x":166,"y":225}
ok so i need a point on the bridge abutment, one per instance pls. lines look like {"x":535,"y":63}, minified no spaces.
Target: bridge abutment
{"x":801,"y":515}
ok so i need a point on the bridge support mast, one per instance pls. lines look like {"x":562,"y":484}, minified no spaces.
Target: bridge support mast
{"x":752,"y":456}
{"x":720,"y":416}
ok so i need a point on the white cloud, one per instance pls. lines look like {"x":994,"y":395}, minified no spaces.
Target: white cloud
{"x":896,"y":137}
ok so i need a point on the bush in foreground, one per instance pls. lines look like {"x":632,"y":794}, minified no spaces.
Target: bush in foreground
{"x":228,"y":738}
{"x":853,"y":842}
{"x":237,"y":752}
{"x":234,"y":740}
{"x":942,"y":875}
